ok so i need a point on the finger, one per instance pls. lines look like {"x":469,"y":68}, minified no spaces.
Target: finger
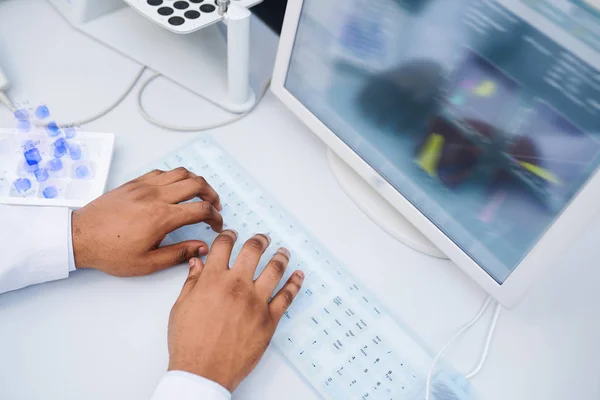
{"x":179,"y":253}
{"x":220,"y":252}
{"x":250,"y":255}
{"x":169,"y":177}
{"x":196,"y":267}
{"x":149,"y":175}
{"x":271,"y":276}
{"x":284,"y":298}
{"x":187,"y":189}
{"x":194,"y":213}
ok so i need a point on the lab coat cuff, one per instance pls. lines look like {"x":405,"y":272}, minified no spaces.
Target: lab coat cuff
{"x":183,"y":385}
{"x":37,"y":249}
{"x":70,"y":244}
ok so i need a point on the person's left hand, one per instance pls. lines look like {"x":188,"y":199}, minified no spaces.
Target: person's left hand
{"x":223,"y":321}
{"x":120,"y":232}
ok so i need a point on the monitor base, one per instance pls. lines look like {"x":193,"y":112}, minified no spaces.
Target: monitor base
{"x":379,"y":210}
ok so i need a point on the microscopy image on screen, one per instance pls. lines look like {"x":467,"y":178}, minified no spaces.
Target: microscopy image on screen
{"x":592,"y":6}
{"x":565,"y":152}
{"x":481,"y":92}
{"x":447,"y":154}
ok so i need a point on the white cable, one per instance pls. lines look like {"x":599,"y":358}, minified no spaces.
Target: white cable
{"x":451,"y":342}
{"x":4,"y":99}
{"x":177,"y":128}
{"x":488,"y":342}
{"x":111,"y":107}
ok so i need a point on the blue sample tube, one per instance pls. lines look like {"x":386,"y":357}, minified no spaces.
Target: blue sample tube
{"x":30,"y":168}
{"x":50,"y":192}
{"x":60,"y":147}
{"x":53,"y":129}
{"x":82,"y":172}
{"x":75,"y":151}
{"x":41,"y":174}
{"x":28,"y":145}
{"x":70,"y":132}
{"x":32,"y":156}
{"x":42,"y":112}
{"x":22,"y":185}
{"x":55,"y":164}
{"x":21,"y":115}
{"x":24,"y":126}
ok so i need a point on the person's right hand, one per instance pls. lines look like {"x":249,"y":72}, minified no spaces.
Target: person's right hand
{"x":120,"y":232}
{"x":223,"y":320}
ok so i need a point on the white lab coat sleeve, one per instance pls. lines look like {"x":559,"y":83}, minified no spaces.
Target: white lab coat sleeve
{"x":34,"y":245}
{"x":180,"y":385}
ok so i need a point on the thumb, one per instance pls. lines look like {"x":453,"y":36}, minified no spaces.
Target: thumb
{"x":175,"y":254}
{"x":196,"y":267}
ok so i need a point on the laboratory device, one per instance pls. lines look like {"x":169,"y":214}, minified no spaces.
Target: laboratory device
{"x":44,"y":164}
{"x":4,"y":82}
{"x":336,"y":334}
{"x":178,"y":39}
{"x":466,"y":128}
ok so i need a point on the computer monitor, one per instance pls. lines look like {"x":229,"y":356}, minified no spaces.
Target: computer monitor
{"x":476,"y":120}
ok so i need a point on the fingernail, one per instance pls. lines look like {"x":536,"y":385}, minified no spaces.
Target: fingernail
{"x":193,"y":263}
{"x":202,"y":250}
{"x":300,"y":274}
{"x":284,"y":251}
{"x":234,"y":233}
{"x":219,"y":207}
{"x":268,"y":237}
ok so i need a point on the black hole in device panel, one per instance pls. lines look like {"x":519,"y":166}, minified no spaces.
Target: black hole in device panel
{"x":196,"y":1}
{"x":165,"y":11}
{"x":176,"y":21}
{"x":207,"y":8}
{"x":155,"y":2}
{"x":192,"y":14}
{"x":181,"y":5}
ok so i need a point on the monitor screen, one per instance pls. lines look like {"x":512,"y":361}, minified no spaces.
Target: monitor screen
{"x":482,"y":113}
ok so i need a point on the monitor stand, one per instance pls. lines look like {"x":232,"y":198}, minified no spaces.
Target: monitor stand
{"x":378,"y":209}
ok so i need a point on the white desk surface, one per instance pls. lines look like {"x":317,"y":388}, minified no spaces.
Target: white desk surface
{"x":97,"y":337}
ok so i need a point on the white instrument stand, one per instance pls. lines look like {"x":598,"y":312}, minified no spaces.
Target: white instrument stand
{"x":195,"y":54}
{"x":241,"y":96}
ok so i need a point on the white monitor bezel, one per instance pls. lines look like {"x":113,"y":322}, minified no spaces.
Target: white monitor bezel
{"x":569,"y":223}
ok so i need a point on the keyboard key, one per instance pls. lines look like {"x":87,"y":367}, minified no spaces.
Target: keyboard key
{"x":367,"y":396}
{"x":324,"y":265}
{"x":306,"y":243}
{"x":314,"y":344}
{"x":373,"y":307}
{"x":337,"y":346}
{"x":312,"y":366}
{"x":338,"y":274}
{"x":353,"y":289}
{"x":301,"y":303}
{"x":285,"y":341}
{"x":333,"y":388}
{"x":242,"y":207}
{"x":322,"y":287}
{"x":252,"y":218}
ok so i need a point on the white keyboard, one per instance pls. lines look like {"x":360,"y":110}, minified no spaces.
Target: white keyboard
{"x":336,"y":334}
